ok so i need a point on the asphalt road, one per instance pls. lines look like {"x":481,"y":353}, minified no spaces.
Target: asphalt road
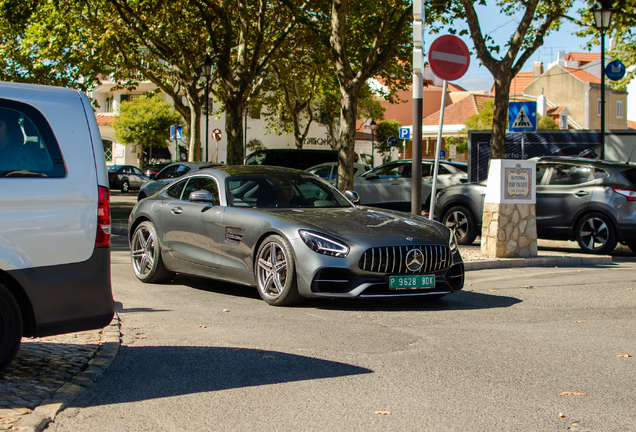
{"x":513,"y":352}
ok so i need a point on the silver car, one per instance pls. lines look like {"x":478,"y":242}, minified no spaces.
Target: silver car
{"x":291,"y":235}
{"x":590,"y":201}
{"x":329,"y":171}
{"x":390,"y":185}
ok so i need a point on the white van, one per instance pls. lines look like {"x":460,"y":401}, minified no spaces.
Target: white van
{"x":54,"y":216}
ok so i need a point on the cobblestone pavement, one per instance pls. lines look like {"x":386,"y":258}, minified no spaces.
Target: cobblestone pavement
{"x":49,"y":372}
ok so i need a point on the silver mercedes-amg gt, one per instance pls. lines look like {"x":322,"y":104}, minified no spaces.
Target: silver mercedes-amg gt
{"x":290,"y":234}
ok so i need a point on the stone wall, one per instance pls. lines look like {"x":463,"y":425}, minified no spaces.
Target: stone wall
{"x":509,"y":231}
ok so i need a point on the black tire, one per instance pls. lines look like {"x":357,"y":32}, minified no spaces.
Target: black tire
{"x":632,"y":246}
{"x":125,"y":186}
{"x":275,"y":272}
{"x":462,"y":222}
{"x":596,"y":234}
{"x":145,"y":254}
{"x":10,"y":327}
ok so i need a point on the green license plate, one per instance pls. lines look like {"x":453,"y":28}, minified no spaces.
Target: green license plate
{"x":411,"y":282}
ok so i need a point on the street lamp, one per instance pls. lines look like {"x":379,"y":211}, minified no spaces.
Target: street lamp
{"x":602,"y":11}
{"x":206,"y":71}
{"x":372,"y":126}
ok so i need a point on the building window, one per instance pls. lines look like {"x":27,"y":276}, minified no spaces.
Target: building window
{"x":109,"y":104}
{"x":108,"y":150}
{"x":619,"y":109}
{"x":564,"y":122}
{"x":598,"y":108}
{"x":128,"y":97}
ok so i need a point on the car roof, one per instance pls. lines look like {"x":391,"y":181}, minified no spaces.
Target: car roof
{"x":238,"y":170}
{"x":582,"y":160}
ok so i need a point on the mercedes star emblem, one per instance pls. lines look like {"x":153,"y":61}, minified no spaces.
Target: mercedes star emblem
{"x":414,"y":260}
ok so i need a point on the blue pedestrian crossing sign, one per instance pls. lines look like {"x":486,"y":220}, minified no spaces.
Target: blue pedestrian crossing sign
{"x":179,"y":133}
{"x":522,"y":116}
{"x":405,"y":133}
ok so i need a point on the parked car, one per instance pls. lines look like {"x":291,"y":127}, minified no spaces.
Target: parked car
{"x":151,"y":170}
{"x":168,"y":174}
{"x":291,"y":235}
{"x":126,"y":177}
{"x":54,"y":216}
{"x":329,"y":171}
{"x":590,"y":201}
{"x":293,"y":158}
{"x":390,"y":185}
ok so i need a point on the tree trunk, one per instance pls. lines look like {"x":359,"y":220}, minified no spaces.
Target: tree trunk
{"x":348,"y":116}
{"x":500,"y":116}
{"x":234,"y":132}
{"x":194,"y":147}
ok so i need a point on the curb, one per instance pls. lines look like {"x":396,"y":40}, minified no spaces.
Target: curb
{"x":45,"y":413}
{"x":550,"y":261}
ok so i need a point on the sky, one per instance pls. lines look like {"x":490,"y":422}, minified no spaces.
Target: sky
{"x":501,"y":28}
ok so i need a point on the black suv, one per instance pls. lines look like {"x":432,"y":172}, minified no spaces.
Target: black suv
{"x":590,"y":201}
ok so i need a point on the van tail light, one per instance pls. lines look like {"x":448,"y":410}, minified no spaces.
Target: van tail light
{"x":103,"y":218}
{"x":627,"y":193}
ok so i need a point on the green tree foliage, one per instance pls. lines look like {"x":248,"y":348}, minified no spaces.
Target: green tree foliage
{"x":253,"y":145}
{"x":536,"y":19}
{"x":145,"y":121}
{"x":383,"y":131}
{"x":362,"y":42}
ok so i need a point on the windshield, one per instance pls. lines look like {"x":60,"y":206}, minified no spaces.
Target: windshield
{"x":283,"y":191}
{"x":112,"y":168}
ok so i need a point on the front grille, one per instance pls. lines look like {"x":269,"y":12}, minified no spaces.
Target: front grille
{"x":392,"y":259}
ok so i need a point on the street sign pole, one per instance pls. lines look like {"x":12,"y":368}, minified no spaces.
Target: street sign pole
{"x":418,"y":92}
{"x":438,"y":149}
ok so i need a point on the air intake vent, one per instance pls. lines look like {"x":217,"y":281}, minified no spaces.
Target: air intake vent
{"x":234,"y":235}
{"x":393,"y":259}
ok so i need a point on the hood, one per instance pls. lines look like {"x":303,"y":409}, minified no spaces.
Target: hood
{"x":377,"y":225}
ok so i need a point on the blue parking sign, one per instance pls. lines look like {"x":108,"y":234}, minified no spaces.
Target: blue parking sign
{"x":405,"y":133}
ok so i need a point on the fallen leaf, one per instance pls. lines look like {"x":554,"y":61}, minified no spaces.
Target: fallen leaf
{"x":492,"y":290}
{"x":226,"y":310}
{"x":470,"y":284}
{"x":561,"y":415}
{"x":472,"y":291}
{"x":557,"y":267}
{"x":511,"y":269}
{"x":202,"y":326}
{"x":582,"y":281}
{"x":141,"y":337}
{"x":529,"y":287}
{"x":580,"y":271}
{"x":568,"y":394}
{"x":236,"y":349}
{"x":382,"y":412}
{"x":581,"y":321}
{"x":629,"y":289}
{"x":302,"y":349}
{"x":269,"y":357}
{"x":521,"y":307}
{"x":624,"y":355}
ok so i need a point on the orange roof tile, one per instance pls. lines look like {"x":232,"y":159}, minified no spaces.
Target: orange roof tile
{"x":518,"y":83}
{"x":459,"y":112}
{"x":583,"y":57}
{"x":631,"y":124}
{"x":105,"y":119}
{"x":583,"y":76}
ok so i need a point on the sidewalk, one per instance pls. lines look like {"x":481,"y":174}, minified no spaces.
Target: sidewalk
{"x":48,"y":373}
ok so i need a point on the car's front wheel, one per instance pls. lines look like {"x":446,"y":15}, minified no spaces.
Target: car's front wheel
{"x":125,"y":186}
{"x":275,"y":270}
{"x":595,"y":233}
{"x":10,"y":327}
{"x":462,"y":222}
{"x":145,"y":253}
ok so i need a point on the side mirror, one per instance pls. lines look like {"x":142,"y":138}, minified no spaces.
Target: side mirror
{"x":201,"y":196}
{"x":353,"y":196}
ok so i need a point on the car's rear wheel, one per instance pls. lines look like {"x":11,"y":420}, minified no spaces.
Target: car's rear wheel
{"x":462,"y":222}
{"x":145,"y":253}
{"x":10,"y":327}
{"x":595,"y":233}
{"x":275,"y":270}
{"x":125,"y":186}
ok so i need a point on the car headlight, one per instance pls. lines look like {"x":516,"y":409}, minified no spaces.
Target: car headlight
{"x":324,"y":245}
{"x":452,"y":241}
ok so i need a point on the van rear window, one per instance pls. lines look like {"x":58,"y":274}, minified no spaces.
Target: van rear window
{"x":28,"y":147}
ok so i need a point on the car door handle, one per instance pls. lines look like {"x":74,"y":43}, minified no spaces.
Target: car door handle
{"x":581,"y":193}
{"x":176,"y":210}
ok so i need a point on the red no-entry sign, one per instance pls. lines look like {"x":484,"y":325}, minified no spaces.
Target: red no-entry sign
{"x":449,"y":57}
{"x":217,"y":134}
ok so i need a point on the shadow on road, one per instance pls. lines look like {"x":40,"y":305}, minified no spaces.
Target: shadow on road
{"x":144,"y":373}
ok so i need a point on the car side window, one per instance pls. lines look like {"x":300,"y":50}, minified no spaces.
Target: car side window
{"x":202,"y":183}
{"x":28,"y":147}
{"x":541,"y":170}
{"x":167,"y":173}
{"x":176,"y":189}
{"x":390,"y":171}
{"x":137,"y":171}
{"x":564,"y":174}
{"x":323,"y":172}
{"x":443,"y":170}
{"x":599,"y":173}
